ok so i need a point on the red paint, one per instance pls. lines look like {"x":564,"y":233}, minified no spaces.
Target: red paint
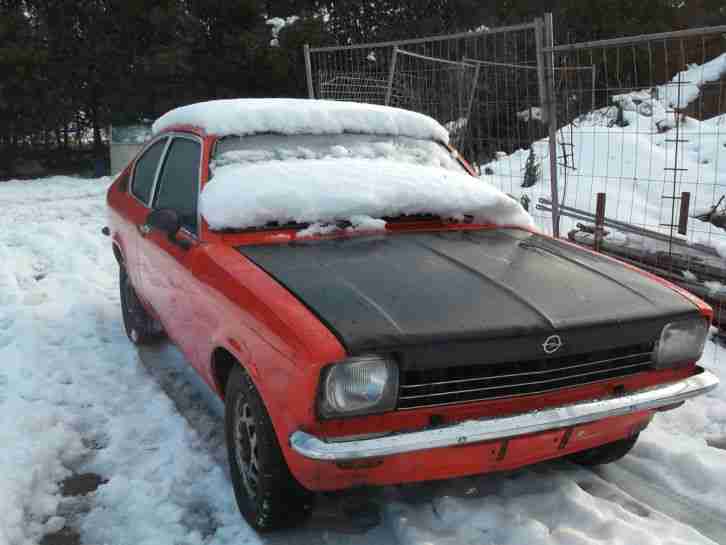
{"x":211,"y":297}
{"x":471,"y":459}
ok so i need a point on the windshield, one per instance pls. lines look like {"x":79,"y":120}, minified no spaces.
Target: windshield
{"x":278,"y":147}
{"x":325,"y":183}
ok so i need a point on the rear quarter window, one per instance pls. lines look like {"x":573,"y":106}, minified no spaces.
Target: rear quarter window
{"x":145,"y":171}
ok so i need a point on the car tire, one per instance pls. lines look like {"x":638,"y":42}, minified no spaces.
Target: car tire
{"x":268,"y":496}
{"x":140,"y":327}
{"x":604,"y":454}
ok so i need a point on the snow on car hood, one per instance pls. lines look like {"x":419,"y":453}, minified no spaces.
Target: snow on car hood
{"x":301,"y":116}
{"x":328,"y":190}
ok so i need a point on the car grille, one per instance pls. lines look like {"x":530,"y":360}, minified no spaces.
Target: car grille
{"x":462,"y":384}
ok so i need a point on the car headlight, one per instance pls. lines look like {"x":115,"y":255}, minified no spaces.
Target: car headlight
{"x":680,"y":342}
{"x":361,"y":385}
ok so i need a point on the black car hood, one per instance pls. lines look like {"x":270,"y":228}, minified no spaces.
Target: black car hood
{"x":469,"y":294}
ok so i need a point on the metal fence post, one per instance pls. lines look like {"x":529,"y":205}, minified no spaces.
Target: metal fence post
{"x":470,"y":105}
{"x":391,"y":73}
{"x":541,"y":82}
{"x":308,"y":71}
{"x":551,"y":106}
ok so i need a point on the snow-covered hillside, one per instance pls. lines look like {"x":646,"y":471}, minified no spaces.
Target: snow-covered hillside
{"x":630,"y":164}
{"x":76,"y":397}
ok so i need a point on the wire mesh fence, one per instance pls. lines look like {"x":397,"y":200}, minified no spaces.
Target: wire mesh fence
{"x":646,"y":129}
{"x":482,"y":85}
{"x":440,"y":88}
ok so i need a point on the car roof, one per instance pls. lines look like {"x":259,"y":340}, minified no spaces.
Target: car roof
{"x":300,"y":116}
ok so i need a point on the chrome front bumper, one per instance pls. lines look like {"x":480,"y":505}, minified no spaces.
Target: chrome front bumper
{"x":489,"y":429}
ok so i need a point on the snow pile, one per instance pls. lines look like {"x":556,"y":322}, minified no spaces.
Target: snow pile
{"x":628,"y":151}
{"x":685,"y":87}
{"x":536,"y":506}
{"x":363,"y":224}
{"x":301,"y":116}
{"x":330,"y":190}
{"x":628,"y":163}
{"x":284,"y":148}
{"x":646,"y":105}
{"x":74,"y":397}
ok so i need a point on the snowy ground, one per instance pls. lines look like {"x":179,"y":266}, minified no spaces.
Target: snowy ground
{"x":75,"y":397}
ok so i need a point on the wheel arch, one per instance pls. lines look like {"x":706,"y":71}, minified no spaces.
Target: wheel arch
{"x":118,"y":254}
{"x":223,"y":361}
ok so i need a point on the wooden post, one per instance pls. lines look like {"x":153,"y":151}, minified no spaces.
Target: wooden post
{"x":599,"y":220}
{"x":683,"y":217}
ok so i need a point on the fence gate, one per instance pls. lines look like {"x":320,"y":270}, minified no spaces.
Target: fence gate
{"x":440,"y":88}
{"x":480,"y":85}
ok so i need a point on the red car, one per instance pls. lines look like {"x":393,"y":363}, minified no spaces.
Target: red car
{"x":371,"y":313}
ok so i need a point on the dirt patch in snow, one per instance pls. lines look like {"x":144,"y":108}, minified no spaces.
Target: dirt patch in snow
{"x":80,"y":485}
{"x":74,"y":486}
{"x":64,"y":536}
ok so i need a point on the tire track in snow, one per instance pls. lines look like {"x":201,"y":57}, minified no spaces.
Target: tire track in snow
{"x":708,"y":522}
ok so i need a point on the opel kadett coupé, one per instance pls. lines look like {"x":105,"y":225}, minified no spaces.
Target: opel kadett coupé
{"x":372,"y":313}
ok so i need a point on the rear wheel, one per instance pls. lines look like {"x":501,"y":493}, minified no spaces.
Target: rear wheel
{"x":604,"y":454}
{"x":140,"y":327}
{"x":267,"y":494}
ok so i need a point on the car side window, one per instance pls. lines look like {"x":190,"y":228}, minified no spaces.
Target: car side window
{"x":145,"y":171}
{"x":179,"y":181}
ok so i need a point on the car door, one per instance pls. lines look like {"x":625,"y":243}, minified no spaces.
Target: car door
{"x":143,"y":177}
{"x":167,"y":281}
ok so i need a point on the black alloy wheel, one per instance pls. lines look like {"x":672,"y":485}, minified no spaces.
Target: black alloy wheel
{"x":268,"y":496}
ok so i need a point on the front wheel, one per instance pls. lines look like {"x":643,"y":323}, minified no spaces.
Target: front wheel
{"x":604,"y":454}
{"x":267,"y":494}
{"x":140,"y":327}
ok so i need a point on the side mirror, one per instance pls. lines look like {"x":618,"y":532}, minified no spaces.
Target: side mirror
{"x":164,"y":220}
{"x":167,"y":221}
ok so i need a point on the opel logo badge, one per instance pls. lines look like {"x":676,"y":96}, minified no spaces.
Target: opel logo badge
{"x":552,"y":344}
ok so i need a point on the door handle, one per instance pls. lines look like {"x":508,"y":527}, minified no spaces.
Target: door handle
{"x":144,"y":229}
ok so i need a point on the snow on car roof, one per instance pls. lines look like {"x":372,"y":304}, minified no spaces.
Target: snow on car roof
{"x":245,"y":116}
{"x":327,"y":190}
